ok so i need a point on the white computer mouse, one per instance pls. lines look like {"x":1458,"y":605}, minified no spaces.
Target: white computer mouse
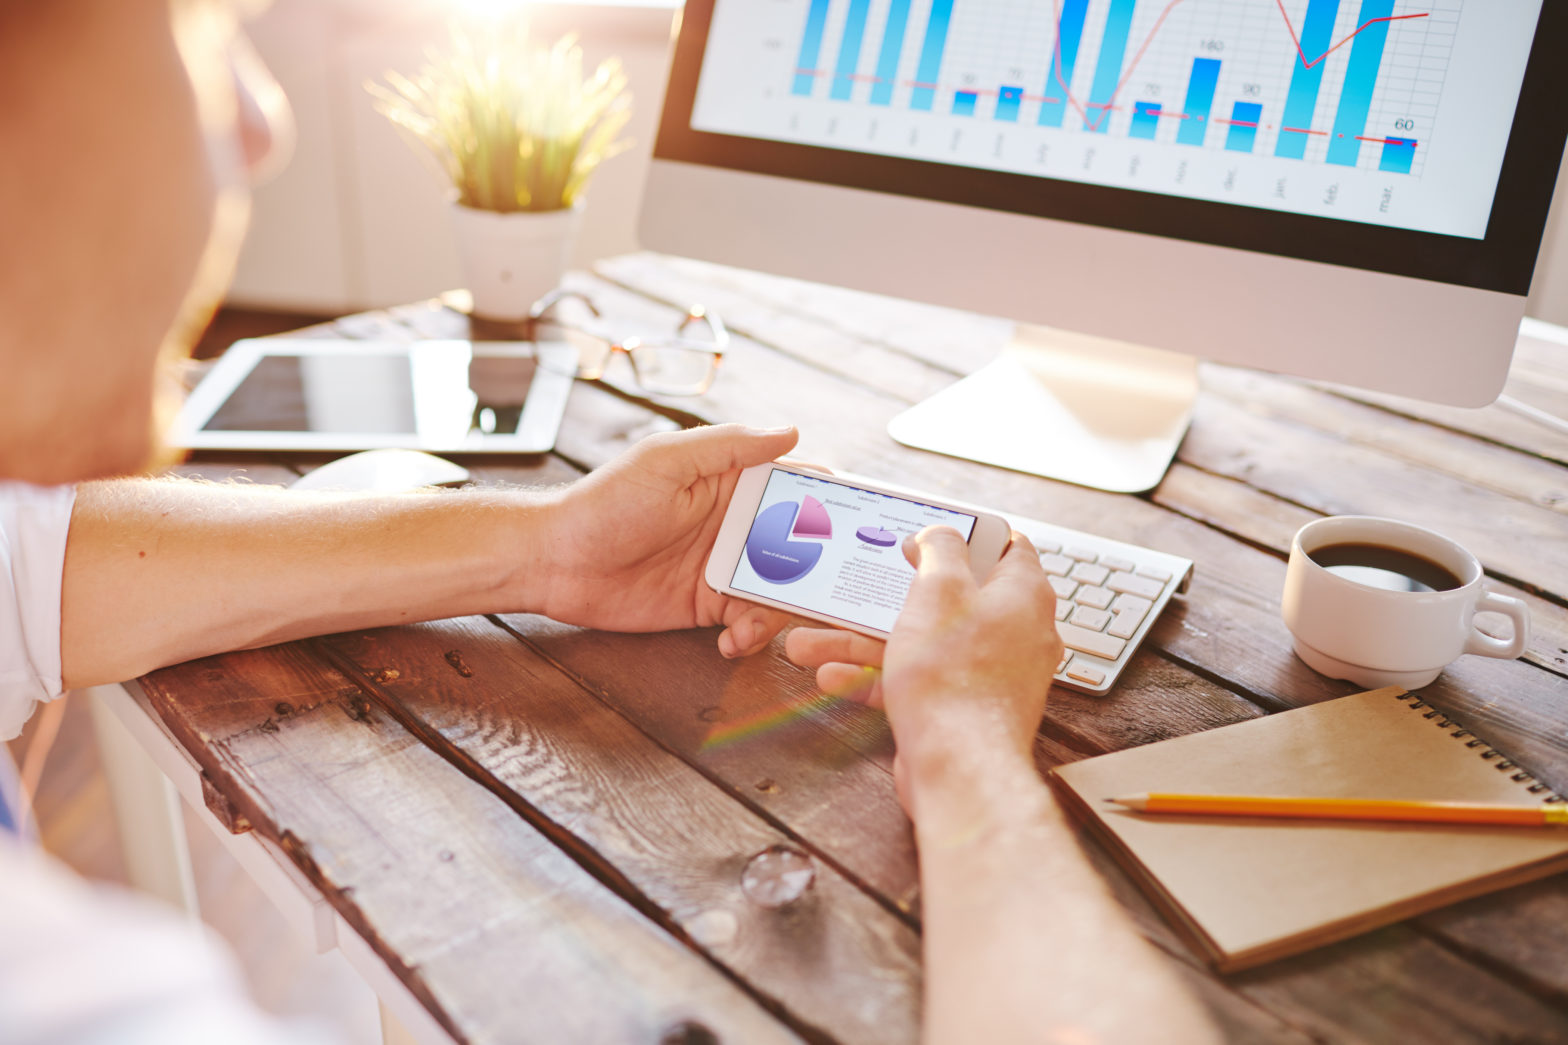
{"x":384,"y":471}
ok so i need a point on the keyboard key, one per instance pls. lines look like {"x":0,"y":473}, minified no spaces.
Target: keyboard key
{"x":1111,"y":562}
{"x":1099,"y":598}
{"x":1063,"y":587}
{"x":1067,"y":656}
{"x":1155,"y":573}
{"x":1043,"y":546}
{"x":1128,"y":617}
{"x":1085,"y":674}
{"x":1090,"y":642}
{"x":1057,"y":564}
{"x":1089,"y":573}
{"x":1082,"y":554}
{"x":1143,"y":587}
{"x":1063,"y":608}
{"x":1091,"y":618}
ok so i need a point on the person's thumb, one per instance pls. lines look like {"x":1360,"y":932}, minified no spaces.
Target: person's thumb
{"x":688,"y":456}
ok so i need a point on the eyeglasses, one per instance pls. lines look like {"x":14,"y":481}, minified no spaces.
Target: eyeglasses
{"x":683,"y":363}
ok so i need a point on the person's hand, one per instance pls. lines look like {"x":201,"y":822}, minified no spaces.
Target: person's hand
{"x":627,"y":544}
{"x":965,"y":674}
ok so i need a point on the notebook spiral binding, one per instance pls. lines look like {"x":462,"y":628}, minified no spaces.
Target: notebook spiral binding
{"x":1503,"y":764}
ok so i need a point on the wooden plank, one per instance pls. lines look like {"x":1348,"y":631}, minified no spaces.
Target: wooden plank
{"x":1538,"y":377}
{"x":1523,"y":543}
{"x":836,"y":960}
{"x":1271,"y":522}
{"x":819,"y":319}
{"x":501,"y":935}
{"x":1517,"y":476}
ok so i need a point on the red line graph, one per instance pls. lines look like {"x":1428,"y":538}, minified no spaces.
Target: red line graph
{"x":1083,"y":111}
{"x":1109,"y":106}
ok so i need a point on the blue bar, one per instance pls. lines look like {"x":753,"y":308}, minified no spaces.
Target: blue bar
{"x":964,"y":103}
{"x":1007,"y":103}
{"x":810,"y":48}
{"x":1398,"y":155}
{"x":1145,"y":120}
{"x":931,"y":55}
{"x":1108,"y":69}
{"x":1064,"y":57}
{"x":1317,"y":31}
{"x":849,"y":50}
{"x":1355,"y":101}
{"x":892,"y":47}
{"x":1200,"y":98}
{"x":1244,"y":120}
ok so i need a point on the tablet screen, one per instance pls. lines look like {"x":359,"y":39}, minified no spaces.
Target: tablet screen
{"x":371,"y":394}
{"x":325,"y":394}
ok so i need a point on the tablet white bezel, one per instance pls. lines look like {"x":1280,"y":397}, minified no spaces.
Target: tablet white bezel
{"x":543,"y":408}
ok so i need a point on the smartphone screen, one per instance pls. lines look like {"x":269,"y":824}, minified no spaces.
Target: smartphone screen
{"x":835,"y":549}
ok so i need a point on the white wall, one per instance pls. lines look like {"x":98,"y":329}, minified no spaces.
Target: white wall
{"x":358,"y":220}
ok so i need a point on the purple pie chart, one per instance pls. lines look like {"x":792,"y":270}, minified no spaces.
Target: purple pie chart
{"x":877,"y":536}
{"x":771,"y":553}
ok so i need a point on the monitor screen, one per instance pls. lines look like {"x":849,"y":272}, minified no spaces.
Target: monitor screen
{"x":1267,"y":125}
{"x":1389,"y":112}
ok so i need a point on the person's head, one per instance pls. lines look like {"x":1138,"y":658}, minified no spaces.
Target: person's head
{"x":129,"y":129}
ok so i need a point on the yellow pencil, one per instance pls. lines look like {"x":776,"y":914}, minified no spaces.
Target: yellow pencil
{"x":1347,"y":809}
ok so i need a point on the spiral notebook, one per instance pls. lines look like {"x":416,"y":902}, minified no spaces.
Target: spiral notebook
{"x":1248,"y":890}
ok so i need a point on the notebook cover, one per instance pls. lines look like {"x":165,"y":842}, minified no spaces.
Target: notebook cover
{"x":1246,"y":890}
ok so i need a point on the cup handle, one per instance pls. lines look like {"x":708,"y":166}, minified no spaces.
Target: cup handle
{"x":1512,"y":608}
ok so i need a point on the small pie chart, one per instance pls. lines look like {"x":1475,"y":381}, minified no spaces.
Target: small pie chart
{"x":771,"y":553}
{"x":877,"y":536}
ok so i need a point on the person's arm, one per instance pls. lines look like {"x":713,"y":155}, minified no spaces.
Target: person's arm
{"x":161,"y":571}
{"x":1022,"y":940}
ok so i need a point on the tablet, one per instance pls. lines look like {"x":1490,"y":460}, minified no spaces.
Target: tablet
{"x":331,"y":394}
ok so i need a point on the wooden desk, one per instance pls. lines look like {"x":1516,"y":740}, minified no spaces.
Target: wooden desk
{"x":544,"y":831}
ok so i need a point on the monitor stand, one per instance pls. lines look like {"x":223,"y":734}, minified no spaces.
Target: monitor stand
{"x":1086,"y":410}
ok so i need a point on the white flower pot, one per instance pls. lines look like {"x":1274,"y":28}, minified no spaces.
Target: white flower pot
{"x":509,"y":261}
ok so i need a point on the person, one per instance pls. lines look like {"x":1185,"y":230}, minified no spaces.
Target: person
{"x":131,"y":130}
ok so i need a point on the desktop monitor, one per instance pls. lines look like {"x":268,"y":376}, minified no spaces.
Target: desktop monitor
{"x":1345,"y":190}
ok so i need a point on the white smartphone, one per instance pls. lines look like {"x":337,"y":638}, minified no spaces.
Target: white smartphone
{"x":830,"y":549}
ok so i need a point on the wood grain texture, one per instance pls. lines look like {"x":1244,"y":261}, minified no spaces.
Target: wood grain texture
{"x":502,"y":936}
{"x":835,"y":960}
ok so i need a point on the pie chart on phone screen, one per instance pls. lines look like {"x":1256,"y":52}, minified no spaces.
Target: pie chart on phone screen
{"x":769,"y":549}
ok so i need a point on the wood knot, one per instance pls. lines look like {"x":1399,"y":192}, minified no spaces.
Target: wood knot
{"x":358,"y":709}
{"x":455,"y":658}
{"x":386,"y":675}
{"x":711,"y":714}
{"x":688,"y":1032}
{"x":766,"y":786}
{"x":283,"y":708}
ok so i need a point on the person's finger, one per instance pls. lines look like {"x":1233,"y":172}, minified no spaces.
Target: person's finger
{"x":857,"y":682}
{"x":749,"y":628}
{"x":940,"y":554}
{"x":713,"y":449}
{"x":813,"y":647}
{"x":1019,"y":560}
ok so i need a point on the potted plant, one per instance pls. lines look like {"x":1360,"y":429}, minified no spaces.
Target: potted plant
{"x":517,"y":129}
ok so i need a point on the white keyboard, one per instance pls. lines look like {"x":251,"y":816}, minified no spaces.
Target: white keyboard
{"x":1108,"y":596}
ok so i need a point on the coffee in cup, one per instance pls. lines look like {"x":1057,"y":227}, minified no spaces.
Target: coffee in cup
{"x":1385,"y":603}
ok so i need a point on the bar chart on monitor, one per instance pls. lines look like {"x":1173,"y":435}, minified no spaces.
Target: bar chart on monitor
{"x":1334,"y":107}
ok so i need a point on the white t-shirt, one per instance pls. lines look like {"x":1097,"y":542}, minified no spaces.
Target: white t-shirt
{"x":94,"y":965}
{"x":34,"y":521}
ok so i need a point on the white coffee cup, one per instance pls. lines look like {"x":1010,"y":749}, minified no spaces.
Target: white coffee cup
{"x":1374,"y":636}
